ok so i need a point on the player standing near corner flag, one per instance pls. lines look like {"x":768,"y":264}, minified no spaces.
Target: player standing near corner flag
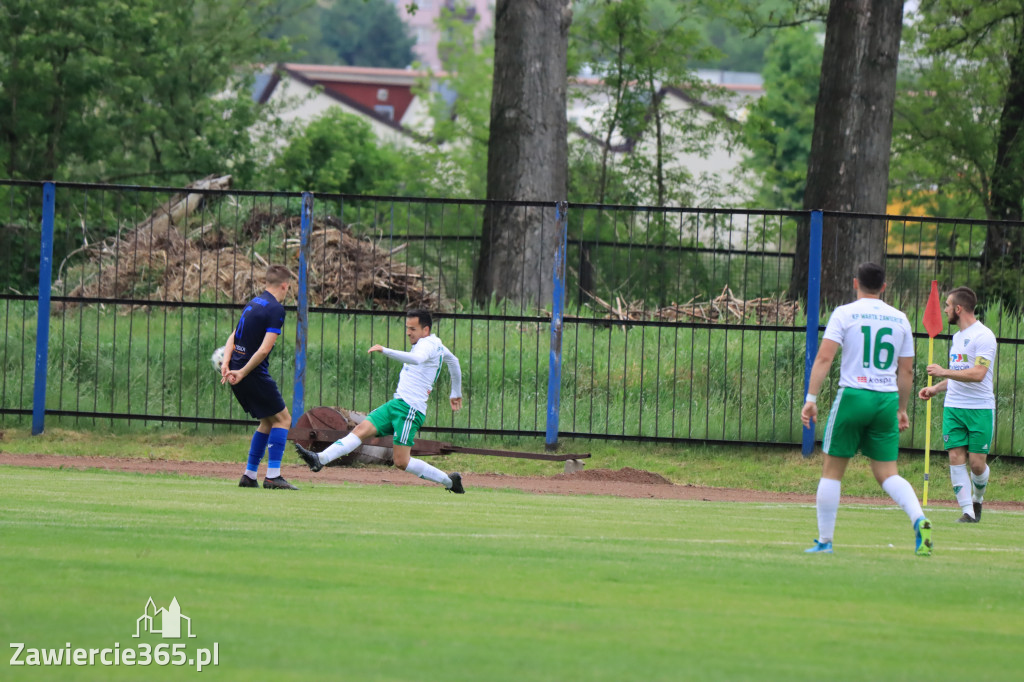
{"x":404,"y":414}
{"x":968,"y":416}
{"x":875,"y":381}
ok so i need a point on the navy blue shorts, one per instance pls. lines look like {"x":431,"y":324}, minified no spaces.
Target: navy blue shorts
{"x":258,"y":395}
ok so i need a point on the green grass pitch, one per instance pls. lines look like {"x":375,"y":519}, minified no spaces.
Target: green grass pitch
{"x":411,"y":583}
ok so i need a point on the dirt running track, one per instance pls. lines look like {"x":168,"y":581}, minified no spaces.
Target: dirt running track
{"x":622,"y":483}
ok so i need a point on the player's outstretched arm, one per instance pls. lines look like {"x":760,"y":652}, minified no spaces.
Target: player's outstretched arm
{"x":416,"y":357}
{"x":455,"y":370}
{"x":927,"y":393}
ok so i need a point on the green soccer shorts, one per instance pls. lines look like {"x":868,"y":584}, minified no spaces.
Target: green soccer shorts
{"x":962,"y":426}
{"x":399,"y":418}
{"x":866,"y":421}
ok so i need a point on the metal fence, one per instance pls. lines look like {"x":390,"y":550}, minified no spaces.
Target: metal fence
{"x":676,"y":327}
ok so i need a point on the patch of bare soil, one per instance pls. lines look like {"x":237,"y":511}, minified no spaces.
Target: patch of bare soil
{"x":624,"y":482}
{"x":623,"y":475}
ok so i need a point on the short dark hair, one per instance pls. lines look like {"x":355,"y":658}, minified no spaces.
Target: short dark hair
{"x":871,"y":277}
{"x":277,"y":274}
{"x":422,"y":316}
{"x":965,"y":298}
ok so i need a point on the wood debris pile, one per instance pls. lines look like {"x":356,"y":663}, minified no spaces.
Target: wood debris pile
{"x":168,"y":258}
{"x":724,"y":308}
{"x":349,"y":271}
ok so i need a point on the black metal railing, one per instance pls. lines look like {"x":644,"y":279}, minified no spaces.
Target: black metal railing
{"x":678,"y":325}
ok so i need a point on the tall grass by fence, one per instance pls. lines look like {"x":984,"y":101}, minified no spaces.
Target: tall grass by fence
{"x":677,"y":326}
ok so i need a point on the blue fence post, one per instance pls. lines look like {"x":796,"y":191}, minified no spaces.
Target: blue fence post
{"x":43,"y":311}
{"x":557,"y":317}
{"x":813,"y":312}
{"x":302,"y":303}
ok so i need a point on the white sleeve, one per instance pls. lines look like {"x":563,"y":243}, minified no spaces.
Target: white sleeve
{"x":907,"y":351}
{"x":986,"y":349}
{"x":416,"y":357}
{"x":455,"y":370}
{"x":834,"y":330}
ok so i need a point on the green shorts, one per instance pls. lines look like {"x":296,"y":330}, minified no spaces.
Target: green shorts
{"x":398,"y":418}
{"x":962,"y":426}
{"x":863,"y":420}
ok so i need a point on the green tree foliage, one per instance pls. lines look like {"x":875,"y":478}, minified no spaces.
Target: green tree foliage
{"x":651,"y":110}
{"x":954,"y":86}
{"x":779,"y":126}
{"x":337,"y":153}
{"x":347,"y":32}
{"x":738,"y":50}
{"x":104,"y":90}
{"x":367,"y":33}
{"x":459,"y":105}
{"x":959,"y":142}
{"x":638,"y":48}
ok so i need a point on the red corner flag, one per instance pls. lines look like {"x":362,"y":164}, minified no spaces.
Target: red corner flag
{"x":933,"y":312}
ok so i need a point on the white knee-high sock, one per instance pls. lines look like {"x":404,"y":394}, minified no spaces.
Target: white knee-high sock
{"x":980,"y":484}
{"x":427,"y":472}
{"x":903,"y":494}
{"x":962,"y":487}
{"x":828,"y":508}
{"x":340,"y":448}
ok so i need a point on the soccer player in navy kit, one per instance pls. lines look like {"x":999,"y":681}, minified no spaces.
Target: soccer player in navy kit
{"x":245,"y":370}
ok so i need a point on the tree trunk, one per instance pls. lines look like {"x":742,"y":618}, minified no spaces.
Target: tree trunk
{"x":848,"y":167}
{"x":1001,"y":259}
{"x":527,"y":156}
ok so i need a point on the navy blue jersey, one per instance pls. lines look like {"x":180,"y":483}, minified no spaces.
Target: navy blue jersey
{"x":263,"y":314}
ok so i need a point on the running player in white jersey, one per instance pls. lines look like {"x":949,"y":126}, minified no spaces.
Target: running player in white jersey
{"x":404,"y":414}
{"x":875,"y":380}
{"x":968,"y":416}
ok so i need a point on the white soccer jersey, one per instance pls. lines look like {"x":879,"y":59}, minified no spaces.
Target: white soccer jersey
{"x":872,"y":335}
{"x":975,"y":345}
{"x":422,"y":367}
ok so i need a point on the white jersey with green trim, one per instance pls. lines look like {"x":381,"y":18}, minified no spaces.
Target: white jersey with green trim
{"x":975,"y":345}
{"x":872,"y":335}
{"x":422,"y":367}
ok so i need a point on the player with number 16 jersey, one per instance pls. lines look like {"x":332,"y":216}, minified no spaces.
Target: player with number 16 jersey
{"x":870,"y":409}
{"x":872,"y":334}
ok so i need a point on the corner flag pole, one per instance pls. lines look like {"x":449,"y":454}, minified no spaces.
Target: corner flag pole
{"x":933,"y":324}
{"x":928,"y":430}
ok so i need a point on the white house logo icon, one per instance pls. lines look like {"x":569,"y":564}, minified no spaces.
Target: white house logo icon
{"x":163,"y":622}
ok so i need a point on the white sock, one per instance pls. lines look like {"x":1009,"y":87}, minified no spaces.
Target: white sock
{"x":340,"y":448}
{"x":251,"y":474}
{"x":962,"y":487}
{"x":273,"y":473}
{"x":980,"y":484}
{"x":903,"y":494}
{"x":828,"y":508}
{"x":427,"y":472}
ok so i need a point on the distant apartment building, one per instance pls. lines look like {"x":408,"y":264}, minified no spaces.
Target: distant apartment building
{"x":423,"y":24}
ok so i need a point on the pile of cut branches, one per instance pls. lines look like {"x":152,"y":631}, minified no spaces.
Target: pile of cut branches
{"x":724,"y":308}
{"x":168,"y":258}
